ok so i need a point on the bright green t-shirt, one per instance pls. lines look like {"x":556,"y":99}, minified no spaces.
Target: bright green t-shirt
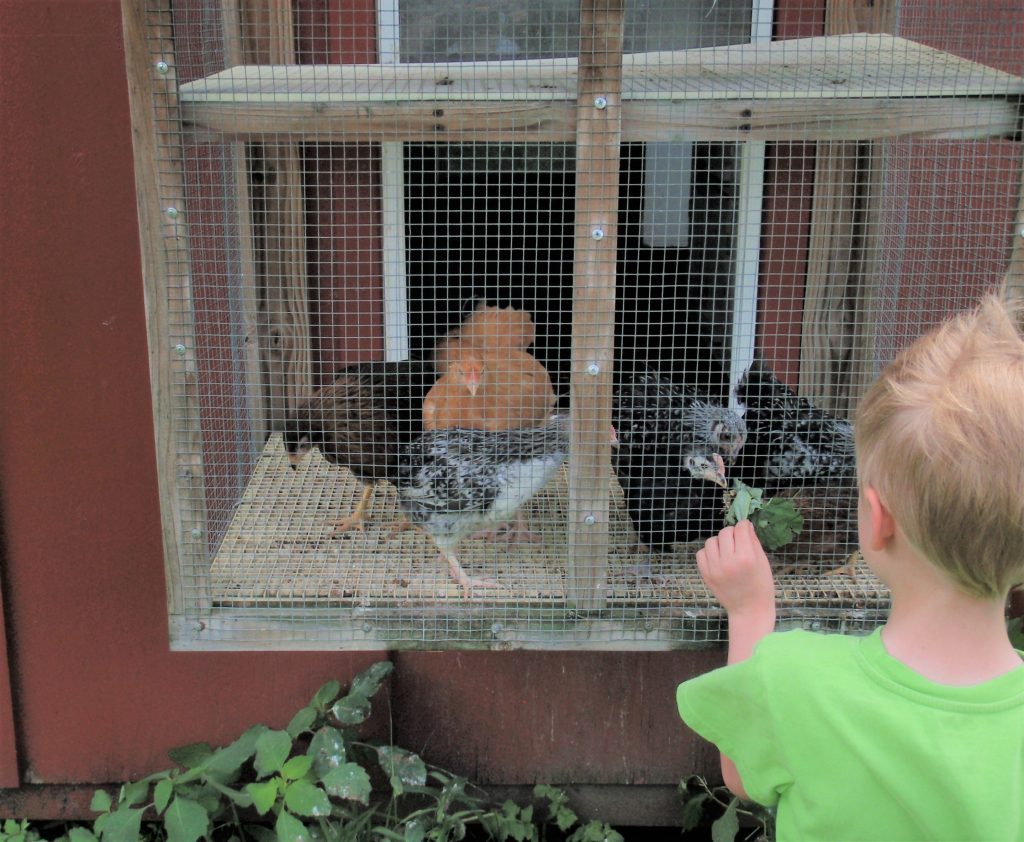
{"x":852,"y":744}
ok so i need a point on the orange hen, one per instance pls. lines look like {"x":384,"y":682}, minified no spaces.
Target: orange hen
{"x":487,"y":328}
{"x":490,"y":390}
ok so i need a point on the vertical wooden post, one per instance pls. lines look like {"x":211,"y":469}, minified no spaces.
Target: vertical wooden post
{"x":244,"y":158}
{"x":1015,"y":271}
{"x":163,"y":217}
{"x":273,"y":233}
{"x":837,"y":349}
{"x":598,"y":135}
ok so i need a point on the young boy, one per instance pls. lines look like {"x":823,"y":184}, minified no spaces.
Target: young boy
{"x":916,"y":731}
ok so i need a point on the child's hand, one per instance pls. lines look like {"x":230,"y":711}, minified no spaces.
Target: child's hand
{"x":734,"y":566}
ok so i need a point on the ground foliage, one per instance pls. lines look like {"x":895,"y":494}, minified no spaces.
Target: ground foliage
{"x":315,"y":781}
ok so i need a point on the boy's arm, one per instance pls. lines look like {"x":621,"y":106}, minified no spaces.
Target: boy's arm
{"x":735,"y":568}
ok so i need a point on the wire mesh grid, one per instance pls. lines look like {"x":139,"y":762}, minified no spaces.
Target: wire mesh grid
{"x":384,"y":225}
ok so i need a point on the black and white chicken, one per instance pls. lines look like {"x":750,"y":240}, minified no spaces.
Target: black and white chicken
{"x":789,"y":440}
{"x":361,"y":421}
{"x":455,"y":482}
{"x":672,"y":496}
{"x":651,"y":412}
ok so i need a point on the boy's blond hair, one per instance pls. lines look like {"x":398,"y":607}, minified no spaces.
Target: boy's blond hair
{"x":940,"y":437}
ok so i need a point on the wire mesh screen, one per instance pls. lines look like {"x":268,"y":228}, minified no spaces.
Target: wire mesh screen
{"x":481,"y":317}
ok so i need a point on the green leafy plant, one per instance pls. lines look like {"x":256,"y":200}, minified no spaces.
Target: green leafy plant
{"x":315,"y":780}
{"x":777,"y":522}
{"x":13,"y":830}
{"x":730,"y":817}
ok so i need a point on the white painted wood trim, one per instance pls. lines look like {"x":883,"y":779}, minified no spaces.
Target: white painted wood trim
{"x":748,"y":227}
{"x":392,"y":177}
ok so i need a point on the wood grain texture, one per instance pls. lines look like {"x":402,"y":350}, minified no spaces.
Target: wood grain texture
{"x":1015,"y":271}
{"x":598,"y":140}
{"x":163,"y":240}
{"x":554,"y":122}
{"x":275,"y":283}
{"x":832,"y":67}
{"x":837,"y":352}
{"x":240,"y":50}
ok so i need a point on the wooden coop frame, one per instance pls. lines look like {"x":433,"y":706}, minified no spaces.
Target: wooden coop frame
{"x":596,"y":102}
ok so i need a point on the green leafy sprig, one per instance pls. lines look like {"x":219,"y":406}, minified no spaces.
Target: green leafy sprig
{"x":776,"y":521}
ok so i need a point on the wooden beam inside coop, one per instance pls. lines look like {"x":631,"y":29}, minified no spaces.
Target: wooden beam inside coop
{"x":598,"y":141}
{"x":272,"y":230}
{"x":837,"y":352}
{"x":554,"y":122}
{"x":1015,"y":270}
{"x":837,"y":87}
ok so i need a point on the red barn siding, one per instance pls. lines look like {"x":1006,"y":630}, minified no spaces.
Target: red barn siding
{"x":97,"y":694}
{"x":8,"y":740}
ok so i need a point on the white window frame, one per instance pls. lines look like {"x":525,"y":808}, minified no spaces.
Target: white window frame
{"x":748,"y":217}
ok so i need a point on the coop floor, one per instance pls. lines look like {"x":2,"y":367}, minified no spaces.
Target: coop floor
{"x":278,"y":551}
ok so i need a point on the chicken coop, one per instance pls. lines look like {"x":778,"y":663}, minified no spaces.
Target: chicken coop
{"x":690,"y":222}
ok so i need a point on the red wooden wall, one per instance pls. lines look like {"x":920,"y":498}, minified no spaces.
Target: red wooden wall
{"x":90,"y":691}
{"x":95,"y":693}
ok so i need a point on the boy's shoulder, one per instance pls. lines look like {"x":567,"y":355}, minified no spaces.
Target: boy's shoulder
{"x":801,"y":641}
{"x":797,"y":652}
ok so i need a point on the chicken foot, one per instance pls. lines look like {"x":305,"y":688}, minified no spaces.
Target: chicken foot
{"x":459,"y":575}
{"x":358,"y":516}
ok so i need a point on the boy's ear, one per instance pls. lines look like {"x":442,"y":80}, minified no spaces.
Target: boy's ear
{"x":883,"y":526}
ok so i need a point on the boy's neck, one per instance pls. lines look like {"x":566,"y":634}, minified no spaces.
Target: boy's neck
{"x":943,"y":633}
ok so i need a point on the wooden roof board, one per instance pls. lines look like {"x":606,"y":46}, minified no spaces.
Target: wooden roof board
{"x":841,"y":66}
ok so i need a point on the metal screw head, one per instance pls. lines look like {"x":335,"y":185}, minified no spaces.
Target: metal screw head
{"x":162,"y":67}
{"x":597,"y":234}
{"x":179,"y":349}
{"x":172,"y":212}
{"x":496,"y":629}
{"x":600,"y":103}
{"x":367,"y":628}
{"x":593,"y":369}
{"x":197,"y":533}
{"x":590,"y":520}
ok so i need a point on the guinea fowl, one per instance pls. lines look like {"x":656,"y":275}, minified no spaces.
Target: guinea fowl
{"x":361,"y":421}
{"x":651,"y":413}
{"x":671,"y":495}
{"x":455,"y":482}
{"x":789,"y":440}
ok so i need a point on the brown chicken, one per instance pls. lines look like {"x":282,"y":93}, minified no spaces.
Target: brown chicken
{"x":484,"y":390}
{"x":487,"y":328}
{"x":361,"y":421}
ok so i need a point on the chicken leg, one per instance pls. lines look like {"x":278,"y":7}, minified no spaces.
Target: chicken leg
{"x":358,"y":516}
{"x":458,"y":574}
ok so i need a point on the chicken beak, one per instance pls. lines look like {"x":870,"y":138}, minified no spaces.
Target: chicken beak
{"x":294,"y":459}
{"x":718,"y":476}
{"x":472,"y":384}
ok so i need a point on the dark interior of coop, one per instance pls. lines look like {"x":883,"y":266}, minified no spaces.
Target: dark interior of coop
{"x":496,"y":226}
